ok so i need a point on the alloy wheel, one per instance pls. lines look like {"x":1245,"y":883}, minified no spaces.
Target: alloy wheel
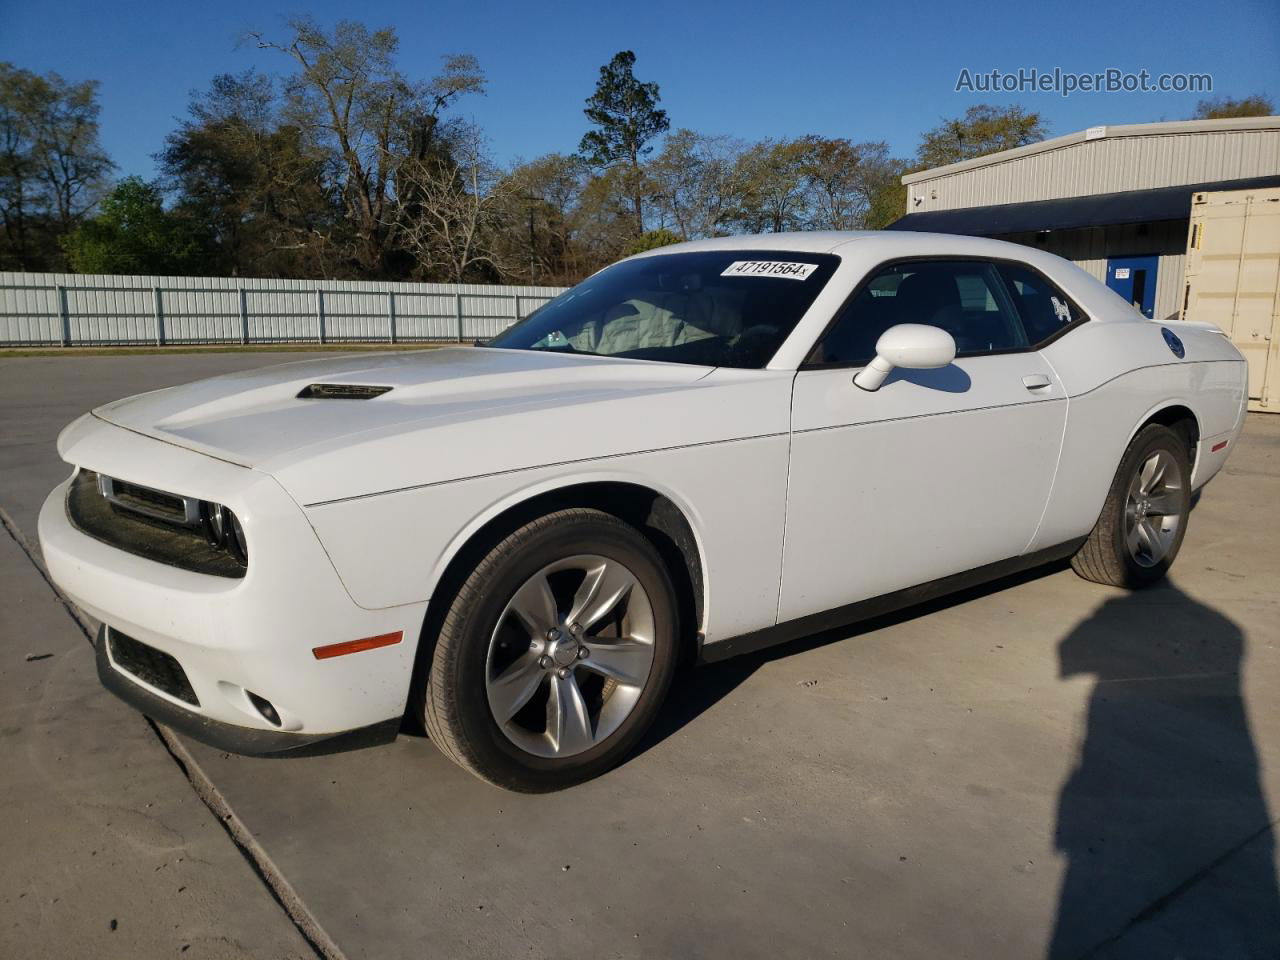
{"x":1153,"y":509}
{"x":570,"y":656}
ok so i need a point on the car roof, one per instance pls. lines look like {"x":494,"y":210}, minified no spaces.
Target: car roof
{"x":892,"y":243}
{"x":815,"y":241}
{"x":868,"y":247}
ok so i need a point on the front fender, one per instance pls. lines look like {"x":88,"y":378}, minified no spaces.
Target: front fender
{"x":393,"y":548}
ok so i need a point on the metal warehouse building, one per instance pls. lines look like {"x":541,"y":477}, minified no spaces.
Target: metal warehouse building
{"x":1116,"y":200}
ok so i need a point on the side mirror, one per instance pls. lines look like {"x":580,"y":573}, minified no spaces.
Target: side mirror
{"x":912,"y":346}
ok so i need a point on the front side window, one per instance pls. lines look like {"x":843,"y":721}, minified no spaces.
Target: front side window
{"x":1045,"y":310}
{"x":730,"y":308}
{"x":965,"y":298}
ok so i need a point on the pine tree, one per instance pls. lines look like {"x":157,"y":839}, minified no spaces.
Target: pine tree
{"x":626,"y":115}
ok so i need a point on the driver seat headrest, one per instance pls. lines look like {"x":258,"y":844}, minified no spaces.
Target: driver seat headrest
{"x":922,"y":296}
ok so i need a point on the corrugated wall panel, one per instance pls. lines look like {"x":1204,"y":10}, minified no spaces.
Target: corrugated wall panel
{"x":205,"y":314}
{"x":1169,"y":282}
{"x":109,"y":312}
{"x":421,"y":315}
{"x":143,"y":310}
{"x":356,"y":315}
{"x":29,"y":314}
{"x":1105,"y":166}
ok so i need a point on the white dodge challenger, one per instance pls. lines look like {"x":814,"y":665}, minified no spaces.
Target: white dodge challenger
{"x":697,"y":452}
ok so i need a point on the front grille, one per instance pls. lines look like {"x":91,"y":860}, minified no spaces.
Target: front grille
{"x":148,"y":536}
{"x":153,"y":667}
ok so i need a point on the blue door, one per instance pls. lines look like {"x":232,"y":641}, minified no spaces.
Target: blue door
{"x":1134,"y":278}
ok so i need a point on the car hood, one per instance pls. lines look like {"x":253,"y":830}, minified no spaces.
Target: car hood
{"x":449,"y":413}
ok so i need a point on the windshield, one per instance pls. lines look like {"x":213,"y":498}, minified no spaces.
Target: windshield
{"x":720,"y":309}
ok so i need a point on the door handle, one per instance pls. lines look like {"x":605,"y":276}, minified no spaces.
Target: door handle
{"x":1036,"y":382}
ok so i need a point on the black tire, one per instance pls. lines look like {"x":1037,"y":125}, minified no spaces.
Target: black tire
{"x":1105,"y":557}
{"x":453,"y":701}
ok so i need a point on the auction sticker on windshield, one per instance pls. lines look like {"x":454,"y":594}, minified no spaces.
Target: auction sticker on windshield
{"x":769,"y":268}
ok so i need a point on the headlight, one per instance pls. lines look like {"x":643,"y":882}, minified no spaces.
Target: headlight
{"x":224,"y":531}
{"x":235,"y":539}
{"x":215,"y":517}
{"x":188,"y":517}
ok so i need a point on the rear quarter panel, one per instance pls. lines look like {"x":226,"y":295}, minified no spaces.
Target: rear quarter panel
{"x":1117,"y":375}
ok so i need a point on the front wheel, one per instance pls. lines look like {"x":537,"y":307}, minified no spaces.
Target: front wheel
{"x":555,"y":654}
{"x":1145,"y":515}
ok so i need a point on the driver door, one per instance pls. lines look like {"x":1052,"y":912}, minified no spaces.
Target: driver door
{"x":936,"y":472}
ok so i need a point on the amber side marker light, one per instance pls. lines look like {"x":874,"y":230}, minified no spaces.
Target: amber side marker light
{"x":355,"y":646}
{"x":1218,"y":446}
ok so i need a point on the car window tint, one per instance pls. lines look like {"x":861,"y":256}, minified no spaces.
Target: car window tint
{"x":1045,"y":310}
{"x":965,"y":298}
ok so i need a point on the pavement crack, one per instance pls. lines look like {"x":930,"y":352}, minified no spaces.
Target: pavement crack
{"x":277,"y":885}
{"x":281,"y":890}
{"x":1159,"y":904}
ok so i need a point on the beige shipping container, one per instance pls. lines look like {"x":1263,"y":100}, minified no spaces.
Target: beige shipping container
{"x":1233,"y":280}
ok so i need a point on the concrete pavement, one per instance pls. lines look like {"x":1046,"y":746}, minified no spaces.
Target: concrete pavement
{"x":1042,"y":767}
{"x":105,"y":850}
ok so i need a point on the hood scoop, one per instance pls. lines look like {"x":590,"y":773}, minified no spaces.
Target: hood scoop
{"x":340,"y":391}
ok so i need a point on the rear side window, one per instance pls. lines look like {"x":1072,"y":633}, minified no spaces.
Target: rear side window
{"x":1044,"y":309}
{"x":966,"y":298}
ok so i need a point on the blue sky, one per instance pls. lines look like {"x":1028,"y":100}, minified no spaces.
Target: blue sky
{"x":880,"y":71}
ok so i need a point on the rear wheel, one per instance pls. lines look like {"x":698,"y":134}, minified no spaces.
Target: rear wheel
{"x":555,"y":654}
{"x":1144,"y":518}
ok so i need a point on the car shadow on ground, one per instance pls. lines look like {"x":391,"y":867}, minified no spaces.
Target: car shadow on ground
{"x":1163,"y":822}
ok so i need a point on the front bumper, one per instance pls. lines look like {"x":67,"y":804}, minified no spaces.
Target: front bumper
{"x":230,"y":736}
{"x":232,"y":637}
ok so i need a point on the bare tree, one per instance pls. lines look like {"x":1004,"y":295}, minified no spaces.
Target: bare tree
{"x":841,"y":179}
{"x":73,"y":164}
{"x":349,"y":96}
{"x":697,"y":182}
{"x":536,"y":239}
{"x":53,"y":170}
{"x":773,"y":186}
{"x":446,"y":207}
{"x":259,"y":183}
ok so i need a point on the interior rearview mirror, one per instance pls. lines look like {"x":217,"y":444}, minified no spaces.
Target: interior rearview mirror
{"x":912,"y":346}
